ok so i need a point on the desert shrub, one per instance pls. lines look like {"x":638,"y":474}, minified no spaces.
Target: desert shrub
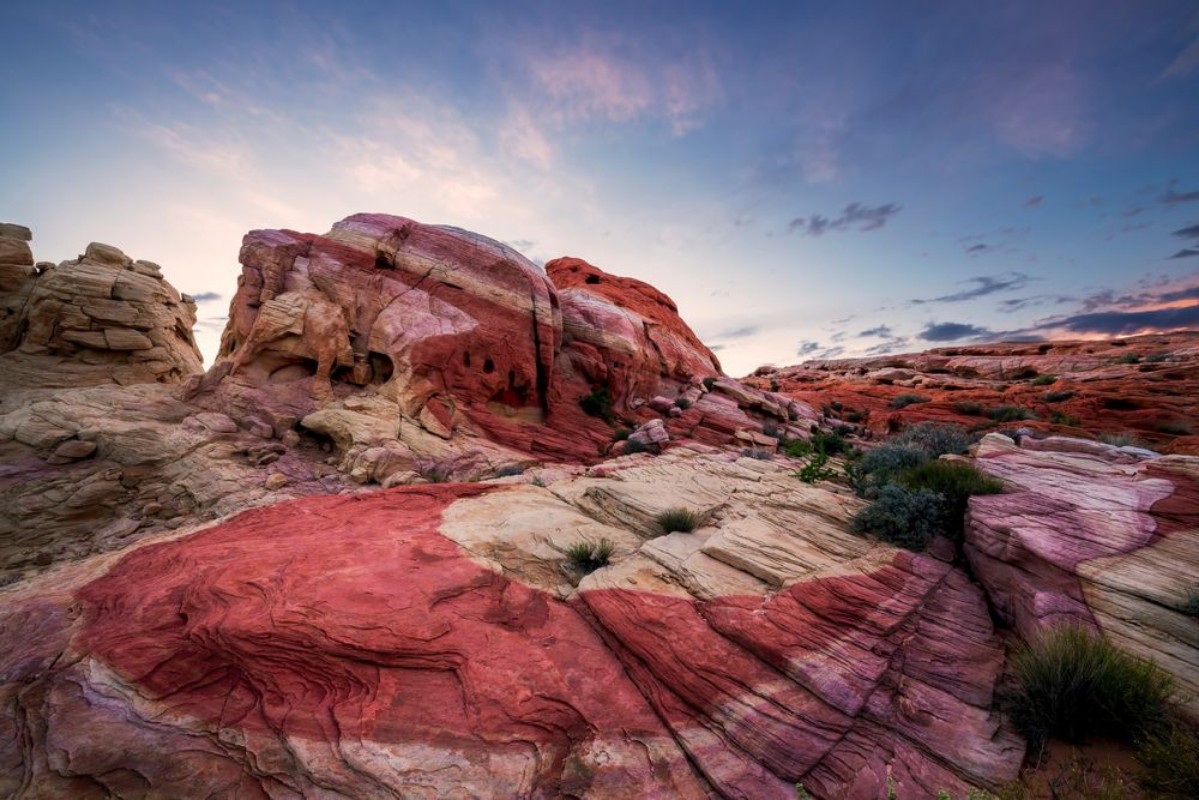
{"x":598,"y":403}
{"x":756,"y":453}
{"x":955,"y":482}
{"x":833,"y":443}
{"x":508,"y":470}
{"x":1174,"y":428}
{"x":969,"y":408}
{"x":770,"y":429}
{"x":907,"y":399}
{"x":881,"y":466}
{"x":935,"y":438}
{"x":836,"y":405}
{"x":683,"y":403}
{"x":1010,"y":413}
{"x":634,"y":446}
{"x":1057,"y":397}
{"x":796,"y":448}
{"x":1129,"y":358}
{"x":856,"y":416}
{"x":1120,"y":440}
{"x":678,"y":519}
{"x":589,"y":556}
{"x":1073,"y":683}
{"x":620,"y":434}
{"x":1059,"y":418}
{"x":709,"y":382}
{"x":1157,"y":358}
{"x":1043,"y":380}
{"x":1169,"y":760}
{"x":904,"y":517}
{"x":538,"y":481}
{"x":774,"y":385}
{"x":816,"y":468}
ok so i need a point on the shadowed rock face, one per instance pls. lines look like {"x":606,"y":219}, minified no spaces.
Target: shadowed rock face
{"x":100,"y":319}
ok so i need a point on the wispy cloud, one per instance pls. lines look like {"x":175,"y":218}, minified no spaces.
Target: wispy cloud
{"x":983,"y":285}
{"x":1189,"y":232}
{"x":1172,"y":197}
{"x":1185,"y":63}
{"x":1188,"y":252}
{"x":1034,"y":201}
{"x":855,"y":217}
{"x":881,"y":330}
{"x":206,"y":297}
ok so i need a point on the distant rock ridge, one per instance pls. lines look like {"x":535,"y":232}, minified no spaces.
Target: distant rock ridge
{"x":100,"y":319}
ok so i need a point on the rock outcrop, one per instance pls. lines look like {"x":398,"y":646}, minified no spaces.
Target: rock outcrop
{"x":431,"y":641}
{"x":100,"y":319}
{"x":1093,"y":535}
{"x":1144,"y":388}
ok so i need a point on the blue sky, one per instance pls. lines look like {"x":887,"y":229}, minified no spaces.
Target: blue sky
{"x":805,"y":180}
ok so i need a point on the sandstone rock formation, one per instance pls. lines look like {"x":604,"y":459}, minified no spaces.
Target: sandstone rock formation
{"x":430,"y":641}
{"x":1144,"y":387}
{"x":1094,"y":535}
{"x":235,"y":572}
{"x":100,"y":319}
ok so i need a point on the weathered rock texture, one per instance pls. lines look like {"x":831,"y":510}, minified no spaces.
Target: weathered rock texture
{"x":1094,"y":535}
{"x":1144,"y":387}
{"x":100,"y":319}
{"x":429,"y":641}
{"x":454,"y":332}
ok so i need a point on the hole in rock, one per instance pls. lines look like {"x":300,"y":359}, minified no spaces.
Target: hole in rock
{"x":489,"y":366}
{"x":592,"y":279}
{"x":466,"y":359}
{"x":382,"y":367}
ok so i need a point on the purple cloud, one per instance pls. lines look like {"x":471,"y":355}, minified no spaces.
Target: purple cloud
{"x":855,"y":216}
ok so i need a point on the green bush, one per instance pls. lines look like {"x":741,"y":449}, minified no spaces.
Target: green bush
{"x":817,"y":468}
{"x":598,"y":403}
{"x":634,"y":446}
{"x":1190,"y":606}
{"x":1174,"y":428}
{"x":678,"y":519}
{"x":508,"y":470}
{"x":1073,"y":683}
{"x":833,"y":443}
{"x":1043,"y":380}
{"x":620,"y":434}
{"x":1010,"y":413}
{"x":955,"y":482}
{"x":683,"y":403}
{"x":796,"y":448}
{"x":770,"y":429}
{"x":1129,"y":358}
{"x":1057,"y":397}
{"x":904,"y":517}
{"x":709,"y":382}
{"x":907,"y":399}
{"x":1157,"y":358}
{"x":881,"y":466}
{"x":1058,"y":418}
{"x":968,"y":408}
{"x":1169,"y":760}
{"x":589,"y":556}
{"x":1121,"y":440}
{"x":756,"y":453}
{"x":935,"y":438}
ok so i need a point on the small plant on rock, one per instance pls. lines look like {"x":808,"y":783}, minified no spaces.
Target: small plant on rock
{"x":635,"y":446}
{"x":1010,"y":413}
{"x":935,"y":438}
{"x":796,"y":448}
{"x":956,"y":483}
{"x":756,"y":453}
{"x":587,"y":557}
{"x":1190,"y":606}
{"x":508,"y":470}
{"x":678,"y":519}
{"x":1057,"y":397}
{"x":1074,"y":683}
{"x":1043,"y":380}
{"x":831,"y":442}
{"x":598,"y":403}
{"x":969,"y":408}
{"x":817,"y":468}
{"x":881,"y":466}
{"x":907,"y":399}
{"x":683,"y":403}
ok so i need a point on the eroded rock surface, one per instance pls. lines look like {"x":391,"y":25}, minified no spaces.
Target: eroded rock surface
{"x":1094,"y":535}
{"x":100,"y":319}
{"x":402,"y":643}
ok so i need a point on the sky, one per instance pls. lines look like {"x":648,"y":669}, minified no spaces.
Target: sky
{"x":806,"y":180}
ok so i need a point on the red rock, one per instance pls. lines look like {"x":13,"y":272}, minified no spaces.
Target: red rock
{"x":1145,"y":387}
